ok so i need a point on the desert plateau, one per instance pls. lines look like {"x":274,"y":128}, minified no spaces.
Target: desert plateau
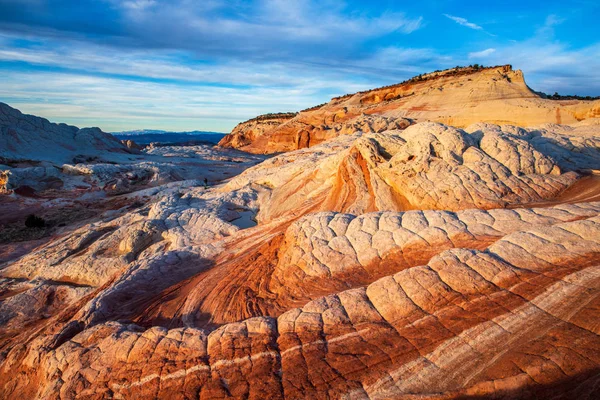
{"x":433,"y":238}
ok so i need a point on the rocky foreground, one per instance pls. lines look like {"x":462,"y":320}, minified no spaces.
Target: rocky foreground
{"x":413,"y":261}
{"x":70,"y":177}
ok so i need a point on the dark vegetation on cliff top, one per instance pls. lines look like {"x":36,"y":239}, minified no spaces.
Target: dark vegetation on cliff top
{"x":456,"y":71}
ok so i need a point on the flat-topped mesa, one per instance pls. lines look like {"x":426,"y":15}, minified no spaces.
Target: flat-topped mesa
{"x":458,"y":97}
{"x":432,"y":76}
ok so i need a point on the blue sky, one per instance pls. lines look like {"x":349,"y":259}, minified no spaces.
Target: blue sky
{"x":208,"y":64}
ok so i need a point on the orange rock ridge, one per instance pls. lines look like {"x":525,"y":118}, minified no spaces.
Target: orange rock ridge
{"x":454,"y":97}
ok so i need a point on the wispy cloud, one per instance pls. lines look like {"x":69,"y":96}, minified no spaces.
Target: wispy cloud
{"x":380,"y":66}
{"x":482,"y":53}
{"x":547,"y":29}
{"x":464,"y":22}
{"x":138,"y":4}
{"x":116,"y":104}
{"x":552,"y":20}
{"x":264,"y":29}
{"x":295,"y":54}
{"x":188,"y":64}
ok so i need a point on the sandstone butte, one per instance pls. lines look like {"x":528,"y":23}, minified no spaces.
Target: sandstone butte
{"x":457,"y":97}
{"x":385,"y":257}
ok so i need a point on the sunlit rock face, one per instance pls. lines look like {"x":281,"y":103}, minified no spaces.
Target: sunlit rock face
{"x":458,"y":97}
{"x":426,"y":166}
{"x":391,"y":260}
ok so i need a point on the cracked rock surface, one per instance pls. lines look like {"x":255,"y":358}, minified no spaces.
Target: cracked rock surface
{"x":425,"y":261}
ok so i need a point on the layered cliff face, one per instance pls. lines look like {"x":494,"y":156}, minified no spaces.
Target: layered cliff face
{"x":455,"y":97}
{"x":246,"y":132}
{"x":423,"y":261}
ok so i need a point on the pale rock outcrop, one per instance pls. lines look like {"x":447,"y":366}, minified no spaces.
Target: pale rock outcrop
{"x":31,"y":301}
{"x":132,"y":146}
{"x":42,"y":178}
{"x":558,"y":142}
{"x":41,"y":156}
{"x":124,"y":174}
{"x":426,"y":166}
{"x":331,"y":250}
{"x":30,"y":138}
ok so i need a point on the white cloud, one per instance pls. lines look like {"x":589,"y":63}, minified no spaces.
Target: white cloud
{"x":138,"y":4}
{"x":117,"y":104}
{"x":464,"y":22}
{"x":553,"y":20}
{"x":482,"y":53}
{"x":211,"y":69}
{"x":263,"y":29}
{"x":119,"y":90}
{"x":382,"y":66}
{"x":547,"y":30}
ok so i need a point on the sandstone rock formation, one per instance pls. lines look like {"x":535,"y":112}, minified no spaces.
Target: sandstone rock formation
{"x":457,"y":97}
{"x":425,"y":261}
{"x":37,"y":156}
{"x":508,"y":319}
{"x":29,"y":138}
{"x":132,"y":146}
{"x":70,"y":177}
{"x":246,"y":132}
{"x":426,"y":166}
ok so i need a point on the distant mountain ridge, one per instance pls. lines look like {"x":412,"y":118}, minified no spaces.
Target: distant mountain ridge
{"x":137,"y":132}
{"x":147,"y":136}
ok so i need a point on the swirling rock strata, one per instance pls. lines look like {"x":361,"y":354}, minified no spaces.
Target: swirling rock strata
{"x":515,"y":318}
{"x":432,"y":262}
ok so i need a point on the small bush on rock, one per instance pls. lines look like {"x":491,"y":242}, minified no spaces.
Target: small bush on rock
{"x":33,"y":221}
